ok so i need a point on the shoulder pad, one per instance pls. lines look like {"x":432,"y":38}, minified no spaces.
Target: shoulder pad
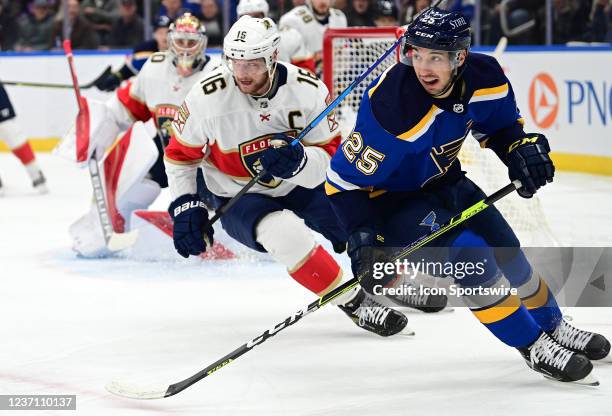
{"x":399,"y":103}
{"x":483,"y":75}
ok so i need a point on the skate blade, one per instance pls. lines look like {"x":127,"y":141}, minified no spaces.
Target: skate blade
{"x":589,"y":380}
{"x":41,"y":189}
{"x":407,"y":332}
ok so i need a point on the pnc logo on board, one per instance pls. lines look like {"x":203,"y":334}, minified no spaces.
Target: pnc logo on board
{"x":543,"y":100}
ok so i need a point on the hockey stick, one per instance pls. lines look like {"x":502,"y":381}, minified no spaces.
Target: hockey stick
{"x":133,"y":392}
{"x":222,"y":210}
{"x":114,"y":241}
{"x":107,"y":71}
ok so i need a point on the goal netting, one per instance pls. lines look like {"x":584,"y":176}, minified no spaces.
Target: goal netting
{"x":348,"y":52}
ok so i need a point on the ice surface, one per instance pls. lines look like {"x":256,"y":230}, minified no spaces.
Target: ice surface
{"x":70,"y":325}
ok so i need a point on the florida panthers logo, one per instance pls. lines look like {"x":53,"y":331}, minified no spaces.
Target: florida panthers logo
{"x":250,"y":152}
{"x":164,"y":114}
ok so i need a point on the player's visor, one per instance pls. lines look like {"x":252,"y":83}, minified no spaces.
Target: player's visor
{"x":249,"y":67}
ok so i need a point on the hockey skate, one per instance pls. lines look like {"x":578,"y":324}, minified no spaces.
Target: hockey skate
{"x":555,"y":362}
{"x":415,"y":299}
{"x":39,"y":182}
{"x":594,"y":346}
{"x":374,"y":317}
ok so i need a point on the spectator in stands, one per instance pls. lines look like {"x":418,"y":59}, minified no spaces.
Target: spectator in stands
{"x":564,"y":21}
{"x":360,"y":13}
{"x":127,"y":30}
{"x":82,"y":35}
{"x":385,"y":13}
{"x":172,"y":9}
{"x":101,"y":14}
{"x":8,"y":26}
{"x":465,"y":7}
{"x":213,"y":21}
{"x":601,"y":15}
{"x":411,"y":8}
{"x":36,"y":28}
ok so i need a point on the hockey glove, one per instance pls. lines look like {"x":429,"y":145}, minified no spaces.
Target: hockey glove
{"x":281,"y":159}
{"x":528,"y":161}
{"x":108,"y":81}
{"x":192,"y":232}
{"x":362,"y":250}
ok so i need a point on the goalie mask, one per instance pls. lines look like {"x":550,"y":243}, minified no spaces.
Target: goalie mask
{"x":186,"y":42}
{"x":251,"y":45}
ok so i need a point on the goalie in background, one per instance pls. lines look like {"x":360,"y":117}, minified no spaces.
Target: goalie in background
{"x":12,"y":134}
{"x":129,"y":132}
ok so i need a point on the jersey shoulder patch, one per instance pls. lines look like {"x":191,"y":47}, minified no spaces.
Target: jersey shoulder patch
{"x":399,"y":104}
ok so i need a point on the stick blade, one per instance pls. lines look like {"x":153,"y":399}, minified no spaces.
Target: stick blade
{"x":136,"y":392}
{"x":121,"y":241}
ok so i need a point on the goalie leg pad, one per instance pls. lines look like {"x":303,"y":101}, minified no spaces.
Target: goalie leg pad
{"x":125,"y":166}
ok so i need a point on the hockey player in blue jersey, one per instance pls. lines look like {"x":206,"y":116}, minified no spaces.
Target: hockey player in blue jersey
{"x":397,"y":176}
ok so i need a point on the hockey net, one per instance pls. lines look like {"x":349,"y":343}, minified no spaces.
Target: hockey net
{"x":348,"y":52}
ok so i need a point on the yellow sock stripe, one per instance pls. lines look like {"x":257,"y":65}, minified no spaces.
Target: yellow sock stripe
{"x":498,"y":312}
{"x":539,"y":298}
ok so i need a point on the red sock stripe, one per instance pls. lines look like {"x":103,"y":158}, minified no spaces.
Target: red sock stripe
{"x":319,"y":272}
{"x":24,"y":153}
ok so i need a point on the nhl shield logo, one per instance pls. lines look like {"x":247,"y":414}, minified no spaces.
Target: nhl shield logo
{"x":250,"y":152}
{"x":458,"y":108}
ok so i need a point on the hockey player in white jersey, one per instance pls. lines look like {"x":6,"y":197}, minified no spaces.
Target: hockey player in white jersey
{"x":130,"y":130}
{"x":240,"y":118}
{"x":291,"y":48}
{"x":311,"y":21}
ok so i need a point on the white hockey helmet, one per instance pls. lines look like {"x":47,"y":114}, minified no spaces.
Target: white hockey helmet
{"x":187,"y":41}
{"x":252,"y":6}
{"x":251,"y":38}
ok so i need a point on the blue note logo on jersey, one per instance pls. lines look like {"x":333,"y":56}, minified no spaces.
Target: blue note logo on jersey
{"x":430,"y":221}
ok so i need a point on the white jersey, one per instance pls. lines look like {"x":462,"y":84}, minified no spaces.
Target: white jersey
{"x":311,"y":30}
{"x":157,"y":91}
{"x":291,"y":46}
{"x":226,"y":130}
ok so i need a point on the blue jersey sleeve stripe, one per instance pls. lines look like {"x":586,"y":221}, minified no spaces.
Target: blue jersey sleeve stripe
{"x":336,"y":181}
{"x":488,"y":94}
{"x":422,"y":126}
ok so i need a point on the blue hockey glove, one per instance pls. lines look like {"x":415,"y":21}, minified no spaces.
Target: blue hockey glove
{"x":282,"y":160}
{"x":192,"y":232}
{"x":361,"y":248}
{"x":528,"y":161}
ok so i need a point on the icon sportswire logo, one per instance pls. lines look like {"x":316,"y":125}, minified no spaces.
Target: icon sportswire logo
{"x":543,"y":100}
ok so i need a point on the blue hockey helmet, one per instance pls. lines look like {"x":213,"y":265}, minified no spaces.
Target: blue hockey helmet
{"x":440,"y":30}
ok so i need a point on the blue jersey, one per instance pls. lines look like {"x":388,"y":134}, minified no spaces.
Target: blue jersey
{"x":405,"y":140}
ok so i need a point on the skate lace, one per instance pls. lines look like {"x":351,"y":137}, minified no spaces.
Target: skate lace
{"x":546,"y":350}
{"x":373,"y":312}
{"x":572,"y":337}
{"x":416,"y":299}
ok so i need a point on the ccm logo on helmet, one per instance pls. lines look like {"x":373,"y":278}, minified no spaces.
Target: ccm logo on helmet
{"x":458,"y":22}
{"x":423,"y":35}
